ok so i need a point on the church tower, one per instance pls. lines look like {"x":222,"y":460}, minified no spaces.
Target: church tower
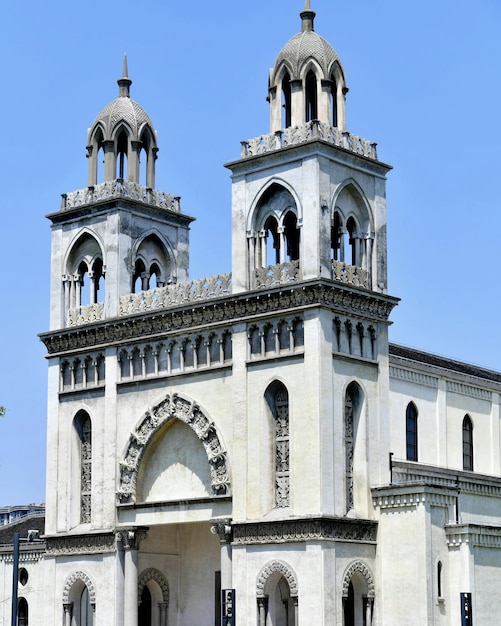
{"x":212,"y":443}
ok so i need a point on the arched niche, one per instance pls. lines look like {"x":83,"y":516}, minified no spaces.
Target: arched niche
{"x":154,"y":421}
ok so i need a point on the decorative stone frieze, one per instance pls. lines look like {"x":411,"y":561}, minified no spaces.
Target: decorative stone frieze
{"x":350,"y":274}
{"x":174,"y":406}
{"x":223,"y":311}
{"x":275,"y":337}
{"x":120,"y":188}
{"x":101,"y":543}
{"x":82,"y":372}
{"x":303,"y":133}
{"x":301,"y":530}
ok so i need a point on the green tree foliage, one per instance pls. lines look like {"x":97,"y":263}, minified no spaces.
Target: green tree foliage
{"x":2,"y":411}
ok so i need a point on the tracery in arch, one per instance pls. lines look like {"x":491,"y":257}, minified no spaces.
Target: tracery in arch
{"x":171,"y":408}
{"x":274,"y":232}
{"x":351,"y":229}
{"x":85,"y":272}
{"x":152,"y":266}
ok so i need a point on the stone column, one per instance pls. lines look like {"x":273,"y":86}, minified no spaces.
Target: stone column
{"x":68,"y":610}
{"x":163,"y":607}
{"x":261,"y":605}
{"x":131,"y":538}
{"x":222,"y":527}
{"x":109,"y":161}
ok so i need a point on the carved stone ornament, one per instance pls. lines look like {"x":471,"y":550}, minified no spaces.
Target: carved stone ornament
{"x":360,"y":567}
{"x":271,"y":568}
{"x":173,"y":407}
{"x":132,"y":537}
{"x":223,"y":311}
{"x":81,"y":544}
{"x":84,"y":578}
{"x":284,"y":531}
{"x":159,"y":578}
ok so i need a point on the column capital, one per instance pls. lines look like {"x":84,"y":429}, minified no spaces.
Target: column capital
{"x":130,"y":538}
{"x":222,"y":527}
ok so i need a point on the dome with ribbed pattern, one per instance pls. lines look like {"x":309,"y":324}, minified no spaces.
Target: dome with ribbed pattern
{"x":122,"y":109}
{"x":302,"y":47}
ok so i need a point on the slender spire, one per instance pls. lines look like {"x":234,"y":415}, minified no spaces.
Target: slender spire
{"x":125,"y":82}
{"x":307,"y":17}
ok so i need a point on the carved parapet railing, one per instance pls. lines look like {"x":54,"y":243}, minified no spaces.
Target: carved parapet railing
{"x":350,"y":274}
{"x":172,"y":295}
{"x":86,"y":314}
{"x":274,"y":275}
{"x":310,"y":131}
{"x":120,"y":188}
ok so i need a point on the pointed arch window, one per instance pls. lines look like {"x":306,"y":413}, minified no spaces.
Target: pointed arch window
{"x":122,"y":152}
{"x":411,"y":431}
{"x":286,"y":101}
{"x":467,"y":443}
{"x":84,"y":431}
{"x":311,"y":97}
{"x":333,"y":102}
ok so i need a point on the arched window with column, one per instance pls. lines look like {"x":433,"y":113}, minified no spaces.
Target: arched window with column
{"x":79,"y":600}
{"x":277,"y":595}
{"x":467,"y":443}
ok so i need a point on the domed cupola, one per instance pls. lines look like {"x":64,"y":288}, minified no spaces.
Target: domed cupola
{"x":123,"y":130}
{"x":307,"y":82}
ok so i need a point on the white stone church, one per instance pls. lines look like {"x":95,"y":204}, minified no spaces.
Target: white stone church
{"x":249,"y":449}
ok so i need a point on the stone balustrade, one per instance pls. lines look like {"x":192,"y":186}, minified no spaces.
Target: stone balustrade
{"x":86,"y":314}
{"x":274,"y":275}
{"x":350,"y":274}
{"x":309,"y":131}
{"x":120,"y":188}
{"x":172,"y":295}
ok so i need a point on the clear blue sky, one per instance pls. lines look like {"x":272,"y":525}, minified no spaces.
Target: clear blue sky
{"x":424,"y":82}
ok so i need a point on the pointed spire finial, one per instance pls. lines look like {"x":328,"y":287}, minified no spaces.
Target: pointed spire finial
{"x":125,"y":71}
{"x":307,"y":17}
{"x":125,"y":82}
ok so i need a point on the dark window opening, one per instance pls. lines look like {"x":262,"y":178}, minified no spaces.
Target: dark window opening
{"x":286,"y":101}
{"x":467,"y":444}
{"x":311,"y":97}
{"x":411,"y":430}
{"x":144,"y":610}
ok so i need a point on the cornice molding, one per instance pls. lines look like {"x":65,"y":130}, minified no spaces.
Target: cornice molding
{"x":477,"y":535}
{"x":224,"y":311}
{"x":412,"y":495}
{"x":303,"y":530}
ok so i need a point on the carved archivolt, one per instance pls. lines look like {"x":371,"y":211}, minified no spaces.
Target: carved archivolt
{"x":84,"y":578}
{"x":271,"y":568}
{"x":174,"y":406}
{"x":360,"y":567}
{"x":158,"y":577}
